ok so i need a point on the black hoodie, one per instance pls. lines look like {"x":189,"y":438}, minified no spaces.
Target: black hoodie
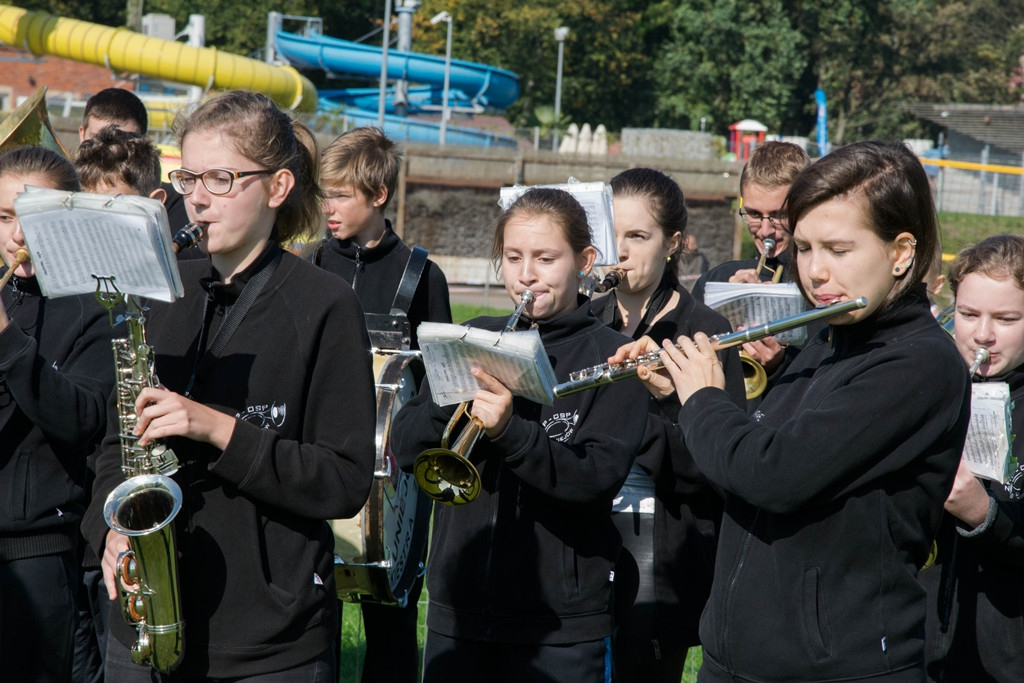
{"x":832,"y":502}
{"x":530,"y":560}
{"x":976,"y":586}
{"x":376,"y":272}
{"x":56,"y":372}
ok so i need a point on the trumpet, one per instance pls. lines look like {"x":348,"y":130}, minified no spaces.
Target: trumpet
{"x":187,"y":237}
{"x":599,"y":375}
{"x":769,"y":247}
{"x":20,"y":256}
{"x":446,"y":474}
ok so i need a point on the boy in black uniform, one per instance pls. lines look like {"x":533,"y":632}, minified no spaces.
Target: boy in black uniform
{"x":359,"y":174}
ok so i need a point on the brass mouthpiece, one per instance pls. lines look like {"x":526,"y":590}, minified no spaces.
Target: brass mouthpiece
{"x":981,"y":356}
{"x":20,"y":256}
{"x":769,"y":246}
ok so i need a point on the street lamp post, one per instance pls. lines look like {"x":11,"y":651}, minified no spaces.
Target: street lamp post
{"x":384,"y":64}
{"x":445,"y":112}
{"x":560,"y":34}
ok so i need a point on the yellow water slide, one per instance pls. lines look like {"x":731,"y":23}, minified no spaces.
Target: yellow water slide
{"x":120,"y":49}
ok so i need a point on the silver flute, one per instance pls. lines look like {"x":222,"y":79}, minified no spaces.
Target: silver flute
{"x":607,"y":373}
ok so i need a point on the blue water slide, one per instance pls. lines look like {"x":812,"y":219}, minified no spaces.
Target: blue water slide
{"x":414,"y":130}
{"x":481,"y":83}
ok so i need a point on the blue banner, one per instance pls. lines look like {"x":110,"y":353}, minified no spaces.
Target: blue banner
{"x":819,"y":98}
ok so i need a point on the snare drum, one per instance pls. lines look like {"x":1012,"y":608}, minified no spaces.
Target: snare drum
{"x":379,"y":554}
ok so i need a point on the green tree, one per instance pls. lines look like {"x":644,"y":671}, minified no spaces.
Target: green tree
{"x":606,"y":75}
{"x":728,"y":60}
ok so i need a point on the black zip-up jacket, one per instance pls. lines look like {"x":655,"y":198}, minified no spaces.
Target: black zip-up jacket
{"x":530,"y":560}
{"x":687,"y":511}
{"x":976,"y":586}
{"x":256,"y":556}
{"x":832,"y":502}
{"x":375,"y":274}
{"x":56,"y":372}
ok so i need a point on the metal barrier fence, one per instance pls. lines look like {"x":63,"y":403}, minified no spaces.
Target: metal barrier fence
{"x":978,"y":188}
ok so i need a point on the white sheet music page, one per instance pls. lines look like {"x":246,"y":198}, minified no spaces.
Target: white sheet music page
{"x":596,"y":200}
{"x":746,"y":305}
{"x":75,"y":237}
{"x":987,"y":449}
{"x":516,"y":359}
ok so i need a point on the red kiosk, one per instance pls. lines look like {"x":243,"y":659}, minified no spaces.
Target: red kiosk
{"x":744,"y":136}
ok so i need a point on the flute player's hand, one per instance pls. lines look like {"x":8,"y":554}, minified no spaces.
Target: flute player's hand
{"x":658,"y":383}
{"x":692,"y":364}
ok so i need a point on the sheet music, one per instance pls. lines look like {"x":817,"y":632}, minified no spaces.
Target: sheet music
{"x":517,"y":359}
{"x":73,"y":237}
{"x":596,"y":200}
{"x":746,"y":305}
{"x":987,"y":449}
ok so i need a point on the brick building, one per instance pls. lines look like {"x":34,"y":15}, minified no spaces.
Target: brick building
{"x":25,"y":73}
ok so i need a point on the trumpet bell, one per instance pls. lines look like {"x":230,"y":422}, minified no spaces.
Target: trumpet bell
{"x":29,"y":126}
{"x":755,"y":379}
{"x":446,"y":476}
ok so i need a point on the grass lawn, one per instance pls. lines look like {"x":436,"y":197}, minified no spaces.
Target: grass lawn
{"x":463,"y":312}
{"x":353,"y":648}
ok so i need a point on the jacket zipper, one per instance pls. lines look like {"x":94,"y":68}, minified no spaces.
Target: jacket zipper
{"x":495,"y":504}
{"x":733,"y":580}
{"x":359,"y":264}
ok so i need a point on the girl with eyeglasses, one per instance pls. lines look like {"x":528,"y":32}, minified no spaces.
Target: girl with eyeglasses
{"x":976,"y":586}
{"x":834,"y":492}
{"x":273,"y":434}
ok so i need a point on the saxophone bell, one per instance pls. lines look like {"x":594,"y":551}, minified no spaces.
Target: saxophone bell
{"x":143,"y":509}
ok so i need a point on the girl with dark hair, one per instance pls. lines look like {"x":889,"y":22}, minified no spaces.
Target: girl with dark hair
{"x":666,"y":512}
{"x":976,"y":587}
{"x":520,"y":579}
{"x":273,"y":435}
{"x":56,"y":370}
{"x":834,"y":490}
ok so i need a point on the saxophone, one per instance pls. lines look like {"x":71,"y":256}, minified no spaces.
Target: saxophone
{"x":143,"y":507}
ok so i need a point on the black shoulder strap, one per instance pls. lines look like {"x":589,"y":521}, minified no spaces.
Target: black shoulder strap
{"x":410,"y":280}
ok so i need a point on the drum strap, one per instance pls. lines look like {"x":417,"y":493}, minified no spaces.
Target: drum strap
{"x":410,"y":280}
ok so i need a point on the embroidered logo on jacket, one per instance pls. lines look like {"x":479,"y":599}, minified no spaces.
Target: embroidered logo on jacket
{"x":265,"y":416}
{"x":561,"y":426}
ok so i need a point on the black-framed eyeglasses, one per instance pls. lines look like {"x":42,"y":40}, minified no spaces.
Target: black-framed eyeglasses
{"x":754,"y":218}
{"x":216,"y":180}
